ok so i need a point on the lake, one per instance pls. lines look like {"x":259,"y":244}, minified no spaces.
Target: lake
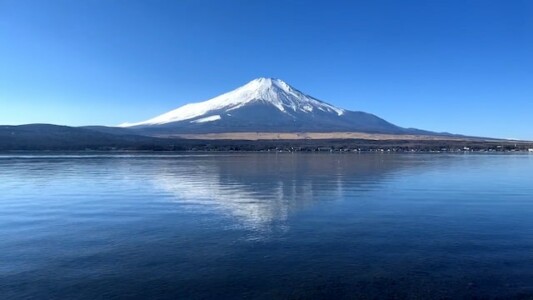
{"x":266,"y":226}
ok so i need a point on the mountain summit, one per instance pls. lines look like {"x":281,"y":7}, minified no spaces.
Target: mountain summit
{"x":264,"y":105}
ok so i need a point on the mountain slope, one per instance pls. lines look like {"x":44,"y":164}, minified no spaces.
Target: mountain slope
{"x":265,"y":105}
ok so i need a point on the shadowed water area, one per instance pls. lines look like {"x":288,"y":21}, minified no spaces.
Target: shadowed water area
{"x":263,"y":226}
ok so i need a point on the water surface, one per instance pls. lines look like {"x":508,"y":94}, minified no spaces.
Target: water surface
{"x":263,"y":226}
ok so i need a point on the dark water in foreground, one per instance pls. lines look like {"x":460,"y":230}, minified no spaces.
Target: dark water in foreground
{"x":333,"y":226}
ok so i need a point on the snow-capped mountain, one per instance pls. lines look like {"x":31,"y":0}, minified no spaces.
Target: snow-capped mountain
{"x":269,"y":91}
{"x":264,"y":105}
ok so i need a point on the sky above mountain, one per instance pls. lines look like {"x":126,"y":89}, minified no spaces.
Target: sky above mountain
{"x":457,"y":66}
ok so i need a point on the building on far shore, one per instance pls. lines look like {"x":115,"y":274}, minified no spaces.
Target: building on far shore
{"x":530,"y":150}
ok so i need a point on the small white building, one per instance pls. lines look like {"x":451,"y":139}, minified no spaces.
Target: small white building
{"x":530,"y":150}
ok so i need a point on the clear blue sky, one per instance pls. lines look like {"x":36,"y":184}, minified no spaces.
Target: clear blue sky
{"x":458,"y":66}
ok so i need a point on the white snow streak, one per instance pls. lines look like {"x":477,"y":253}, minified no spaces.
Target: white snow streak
{"x":207,"y":119}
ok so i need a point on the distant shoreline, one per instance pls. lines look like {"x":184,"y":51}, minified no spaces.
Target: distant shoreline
{"x":289,"y":146}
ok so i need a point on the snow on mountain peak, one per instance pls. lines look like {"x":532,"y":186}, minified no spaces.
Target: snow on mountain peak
{"x":263,"y":83}
{"x":272,"y":91}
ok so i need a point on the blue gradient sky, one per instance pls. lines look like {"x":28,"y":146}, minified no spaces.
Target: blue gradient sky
{"x":457,"y":66}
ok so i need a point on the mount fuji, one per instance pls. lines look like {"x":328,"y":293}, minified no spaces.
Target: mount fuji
{"x":265,"y":113}
{"x":265,"y":105}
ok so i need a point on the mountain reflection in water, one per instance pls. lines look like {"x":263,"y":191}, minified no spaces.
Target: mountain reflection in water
{"x":261,"y":190}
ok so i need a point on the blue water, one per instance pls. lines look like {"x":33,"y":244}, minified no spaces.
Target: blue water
{"x":266,"y":226}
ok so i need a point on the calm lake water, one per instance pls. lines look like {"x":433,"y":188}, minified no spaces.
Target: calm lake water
{"x":266,"y":226}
